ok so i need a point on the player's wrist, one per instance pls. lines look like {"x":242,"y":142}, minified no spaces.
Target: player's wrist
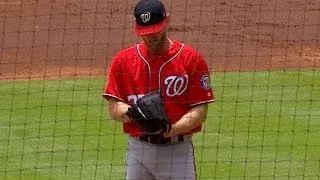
{"x":125,"y":118}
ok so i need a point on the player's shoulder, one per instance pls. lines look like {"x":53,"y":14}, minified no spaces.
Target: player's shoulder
{"x":189,"y":49}
{"x":124,"y":54}
{"x":190,"y":53}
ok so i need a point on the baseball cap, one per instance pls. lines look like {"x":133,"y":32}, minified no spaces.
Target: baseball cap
{"x":150,"y":17}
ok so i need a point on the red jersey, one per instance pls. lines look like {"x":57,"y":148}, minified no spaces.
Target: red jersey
{"x":181,"y":75}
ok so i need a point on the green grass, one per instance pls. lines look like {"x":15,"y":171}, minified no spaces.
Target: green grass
{"x":263,"y":125}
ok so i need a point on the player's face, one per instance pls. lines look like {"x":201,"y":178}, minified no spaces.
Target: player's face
{"x":155,"y":41}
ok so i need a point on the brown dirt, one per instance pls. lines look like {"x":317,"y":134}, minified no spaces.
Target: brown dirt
{"x":68,"y":38}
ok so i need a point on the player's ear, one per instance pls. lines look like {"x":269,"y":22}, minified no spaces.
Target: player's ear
{"x":132,"y":20}
{"x":168,"y":18}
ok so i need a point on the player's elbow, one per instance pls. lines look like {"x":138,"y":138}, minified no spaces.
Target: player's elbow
{"x":114,"y":109}
{"x":117,"y":110}
{"x":202,"y":118}
{"x":112,"y":113}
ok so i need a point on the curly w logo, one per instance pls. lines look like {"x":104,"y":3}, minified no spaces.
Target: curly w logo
{"x":176,"y":85}
{"x":145,"y":17}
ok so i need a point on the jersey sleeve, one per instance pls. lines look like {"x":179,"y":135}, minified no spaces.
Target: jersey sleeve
{"x":114,"y":79}
{"x":200,"y":89}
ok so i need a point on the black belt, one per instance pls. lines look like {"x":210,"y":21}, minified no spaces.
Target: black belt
{"x":159,"y":139}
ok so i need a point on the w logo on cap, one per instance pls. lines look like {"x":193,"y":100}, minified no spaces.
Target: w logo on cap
{"x":150,"y":16}
{"x":145,"y":17}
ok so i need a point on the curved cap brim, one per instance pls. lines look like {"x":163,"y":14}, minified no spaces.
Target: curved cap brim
{"x":151,"y":29}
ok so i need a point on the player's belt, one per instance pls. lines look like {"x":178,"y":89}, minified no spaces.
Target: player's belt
{"x":160,"y":140}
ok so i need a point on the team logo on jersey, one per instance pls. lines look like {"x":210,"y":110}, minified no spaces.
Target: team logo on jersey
{"x":145,"y":17}
{"x":205,"y":81}
{"x":176,"y":85}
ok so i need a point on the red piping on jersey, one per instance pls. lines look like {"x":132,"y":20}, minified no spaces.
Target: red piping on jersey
{"x":149,"y":69}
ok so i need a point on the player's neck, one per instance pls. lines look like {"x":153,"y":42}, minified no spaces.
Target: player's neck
{"x":163,"y":47}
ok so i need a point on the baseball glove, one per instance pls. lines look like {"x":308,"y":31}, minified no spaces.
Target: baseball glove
{"x":149,"y":114}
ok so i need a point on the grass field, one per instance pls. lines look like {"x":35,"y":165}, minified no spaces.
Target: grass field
{"x":263,"y":125}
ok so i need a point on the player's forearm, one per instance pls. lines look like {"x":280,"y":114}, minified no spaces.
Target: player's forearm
{"x":117,"y":110}
{"x":193,"y":118}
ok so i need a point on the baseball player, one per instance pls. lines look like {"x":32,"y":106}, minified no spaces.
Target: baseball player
{"x":180,"y":75}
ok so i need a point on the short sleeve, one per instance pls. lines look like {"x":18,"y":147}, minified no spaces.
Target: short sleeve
{"x":114,"y":81}
{"x":200,"y":90}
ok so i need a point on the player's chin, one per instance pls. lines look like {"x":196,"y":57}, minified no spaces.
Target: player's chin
{"x":153,"y":45}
